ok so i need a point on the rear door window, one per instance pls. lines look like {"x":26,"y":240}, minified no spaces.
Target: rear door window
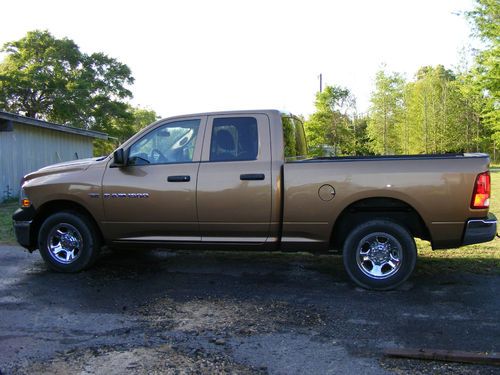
{"x":234,"y":139}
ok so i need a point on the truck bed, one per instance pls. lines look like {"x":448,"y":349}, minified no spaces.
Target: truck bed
{"x":437,"y":187}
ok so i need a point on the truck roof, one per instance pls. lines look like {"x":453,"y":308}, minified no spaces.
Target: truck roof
{"x":231,"y":112}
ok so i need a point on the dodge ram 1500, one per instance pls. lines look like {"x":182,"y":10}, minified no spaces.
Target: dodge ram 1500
{"x":243,"y":180}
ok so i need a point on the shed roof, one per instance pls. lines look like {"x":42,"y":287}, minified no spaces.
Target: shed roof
{"x":50,"y":125}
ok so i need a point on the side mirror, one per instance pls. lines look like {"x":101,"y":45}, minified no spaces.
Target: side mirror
{"x":119,"y":158}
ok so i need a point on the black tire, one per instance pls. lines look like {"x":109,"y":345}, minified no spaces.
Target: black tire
{"x":379,"y":254}
{"x":68,"y":242}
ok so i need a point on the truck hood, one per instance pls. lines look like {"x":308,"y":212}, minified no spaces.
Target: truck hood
{"x":68,"y":166}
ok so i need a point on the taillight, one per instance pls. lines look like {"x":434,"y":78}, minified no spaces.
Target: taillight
{"x":481,"y":193}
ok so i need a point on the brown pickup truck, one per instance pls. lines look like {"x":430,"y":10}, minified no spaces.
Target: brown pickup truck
{"x":242,"y":180}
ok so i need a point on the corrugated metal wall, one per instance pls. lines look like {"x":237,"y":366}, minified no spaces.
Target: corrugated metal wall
{"x":29,"y":148}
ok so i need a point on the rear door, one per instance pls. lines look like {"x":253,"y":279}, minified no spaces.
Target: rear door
{"x":234,"y":179}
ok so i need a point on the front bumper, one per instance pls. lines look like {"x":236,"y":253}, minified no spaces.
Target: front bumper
{"x":23,"y":223}
{"x":22,"y":229}
{"x":480,"y":230}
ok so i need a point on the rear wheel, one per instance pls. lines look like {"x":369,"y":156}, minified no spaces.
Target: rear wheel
{"x":379,"y":254}
{"x":68,"y":242}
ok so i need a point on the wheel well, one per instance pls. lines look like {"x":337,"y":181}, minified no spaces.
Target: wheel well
{"x":377,"y":208}
{"x":47,"y":209}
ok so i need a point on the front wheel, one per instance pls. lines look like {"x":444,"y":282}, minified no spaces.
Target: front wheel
{"x":68,"y":242}
{"x":379,"y":255}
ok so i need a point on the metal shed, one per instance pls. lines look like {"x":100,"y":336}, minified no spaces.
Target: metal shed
{"x":27,"y":144}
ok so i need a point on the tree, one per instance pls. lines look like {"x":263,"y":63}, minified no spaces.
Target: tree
{"x":469,"y":106}
{"x":361,"y":139}
{"x":435,"y":118}
{"x":386,"y":112}
{"x":122,"y":129}
{"x":51,"y":79}
{"x":485,"y":20}
{"x":331,"y":124}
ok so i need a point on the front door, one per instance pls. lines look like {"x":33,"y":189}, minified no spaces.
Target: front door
{"x":234,"y":180}
{"x":153,"y":198}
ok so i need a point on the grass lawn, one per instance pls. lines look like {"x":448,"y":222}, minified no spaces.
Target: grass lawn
{"x":6,"y":230}
{"x":480,"y":258}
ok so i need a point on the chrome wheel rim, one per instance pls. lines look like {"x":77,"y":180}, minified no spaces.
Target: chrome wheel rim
{"x":64,"y":243}
{"x":379,"y":255}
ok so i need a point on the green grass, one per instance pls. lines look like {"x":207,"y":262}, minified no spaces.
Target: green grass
{"x":6,"y":229}
{"x":480,"y":258}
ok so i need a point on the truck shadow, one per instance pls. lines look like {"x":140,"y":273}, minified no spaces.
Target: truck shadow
{"x":138,"y":276}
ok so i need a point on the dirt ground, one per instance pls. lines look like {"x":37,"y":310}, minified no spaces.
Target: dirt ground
{"x":234,"y":313}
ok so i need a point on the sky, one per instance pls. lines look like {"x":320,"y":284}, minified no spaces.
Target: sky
{"x":193,"y":56}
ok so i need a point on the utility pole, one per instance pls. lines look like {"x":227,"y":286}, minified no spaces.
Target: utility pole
{"x":320,"y":82}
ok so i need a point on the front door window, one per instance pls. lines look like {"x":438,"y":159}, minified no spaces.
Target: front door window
{"x":171,"y":143}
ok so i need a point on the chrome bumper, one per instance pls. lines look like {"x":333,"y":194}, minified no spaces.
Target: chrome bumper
{"x":480,"y":230}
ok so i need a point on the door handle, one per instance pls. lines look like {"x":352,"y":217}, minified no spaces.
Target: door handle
{"x":179,"y":178}
{"x":252,"y":176}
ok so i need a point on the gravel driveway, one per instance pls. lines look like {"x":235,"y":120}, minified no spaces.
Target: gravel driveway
{"x":203,"y":313}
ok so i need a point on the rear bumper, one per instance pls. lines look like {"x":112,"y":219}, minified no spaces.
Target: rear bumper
{"x":480,"y":230}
